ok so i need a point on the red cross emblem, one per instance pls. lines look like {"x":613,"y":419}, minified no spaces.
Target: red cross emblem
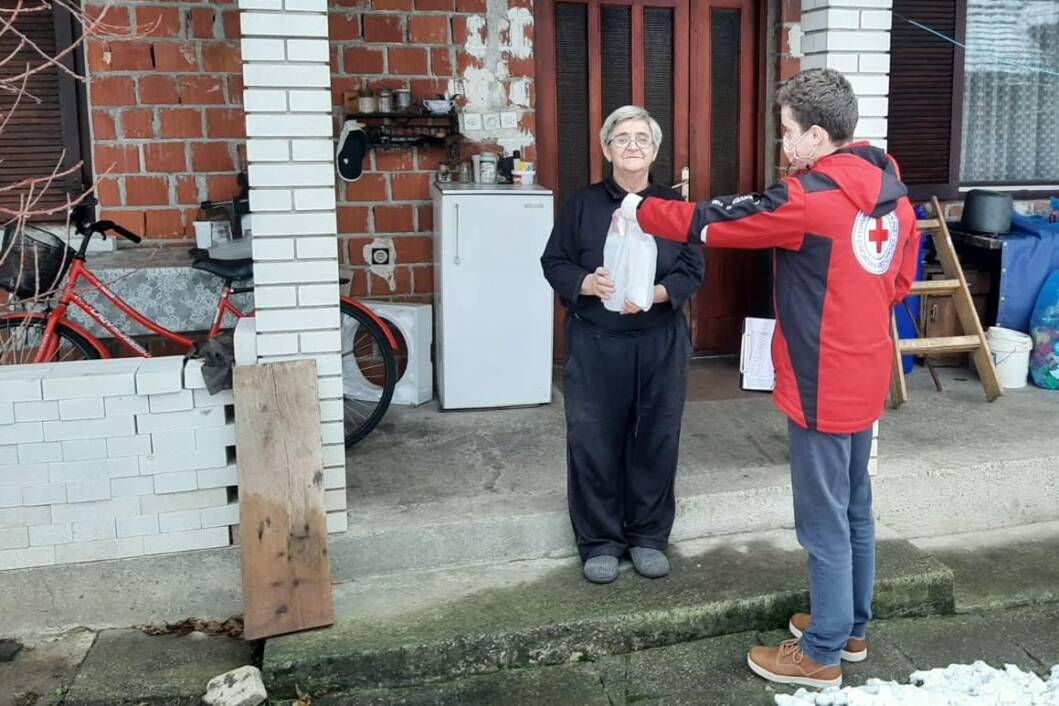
{"x":878,"y":235}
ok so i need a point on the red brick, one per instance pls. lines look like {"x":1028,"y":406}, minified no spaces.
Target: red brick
{"x":103,"y":125}
{"x":235,"y":90}
{"x":525,"y":4}
{"x":361,"y":60}
{"x":394,"y":160}
{"x":370,"y":187}
{"x":203,"y":23}
{"x":112,"y":90}
{"x":789,"y":68}
{"x":164,"y":223}
{"x":402,"y":278}
{"x":222,"y":123}
{"x":423,"y":88}
{"x":382,"y":28}
{"x":187,"y":189}
{"x":197,"y":90}
{"x":440,"y":62}
{"x":340,"y":85}
{"x":430,"y":29}
{"x":230,"y":21}
{"x":175,"y":56}
{"x":156,"y":21}
{"x":343,"y":27}
{"x":353,"y":219}
{"x":414,"y":249}
{"x":411,"y":187}
{"x":407,"y":61}
{"x":430,"y":158}
{"x":426,"y":219}
{"x":222,"y":188}
{"x":181,"y":123}
{"x":461,"y":31}
{"x":464,"y":61}
{"x":222,"y":58}
{"x":131,"y":219}
{"x":423,"y":277}
{"x":117,"y":159}
{"x":352,"y":249}
{"x":146,"y":191}
{"x":791,"y":11}
{"x":436,"y":5}
{"x":211,"y":157}
{"x":156,"y":89}
{"x":107,"y":192}
{"x":474,"y":6}
{"x":521,"y":68}
{"x":137,"y":124}
{"x":392,"y":5}
{"x":120,"y":56}
{"x":112,"y":20}
{"x":394,"y":219}
{"x":167,"y":157}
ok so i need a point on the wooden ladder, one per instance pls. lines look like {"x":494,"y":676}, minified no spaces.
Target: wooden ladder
{"x":954,"y":285}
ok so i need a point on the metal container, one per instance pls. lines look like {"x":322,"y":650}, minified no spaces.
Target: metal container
{"x":366,"y":104}
{"x":487,"y":168}
{"x":385,"y":102}
{"x":403,"y":98}
{"x":987,"y":212}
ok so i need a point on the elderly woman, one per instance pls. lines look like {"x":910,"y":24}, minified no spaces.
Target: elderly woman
{"x":625,"y":377}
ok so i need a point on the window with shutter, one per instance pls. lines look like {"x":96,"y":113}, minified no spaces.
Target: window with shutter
{"x":44,"y":130}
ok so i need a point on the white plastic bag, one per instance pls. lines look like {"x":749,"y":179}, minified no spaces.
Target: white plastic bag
{"x":630,"y":256}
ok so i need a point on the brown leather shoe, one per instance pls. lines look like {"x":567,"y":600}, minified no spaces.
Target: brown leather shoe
{"x":856,"y":649}
{"x":787,"y":664}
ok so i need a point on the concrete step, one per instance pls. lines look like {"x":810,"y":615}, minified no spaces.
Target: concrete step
{"x":416,"y":628}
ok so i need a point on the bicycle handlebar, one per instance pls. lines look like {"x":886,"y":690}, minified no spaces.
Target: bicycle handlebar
{"x":103,"y":226}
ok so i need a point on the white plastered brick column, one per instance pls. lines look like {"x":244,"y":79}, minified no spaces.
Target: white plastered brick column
{"x":287,"y":77}
{"x":853,"y":36}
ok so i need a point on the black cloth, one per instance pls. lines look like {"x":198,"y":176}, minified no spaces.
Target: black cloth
{"x":624,"y":394}
{"x":575,"y":250}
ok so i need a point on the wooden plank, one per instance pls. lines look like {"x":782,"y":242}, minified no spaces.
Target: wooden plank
{"x":898,"y":388}
{"x":943,"y":344}
{"x":282,"y":518}
{"x":595,"y":92}
{"x":936,"y":287}
{"x":929,"y":224}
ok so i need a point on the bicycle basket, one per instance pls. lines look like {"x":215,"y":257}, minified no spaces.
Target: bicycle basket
{"x":32,"y":262}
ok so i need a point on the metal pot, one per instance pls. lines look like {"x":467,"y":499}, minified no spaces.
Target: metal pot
{"x":987,"y":212}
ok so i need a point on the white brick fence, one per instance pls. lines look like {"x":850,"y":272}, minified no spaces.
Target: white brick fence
{"x":109,"y":459}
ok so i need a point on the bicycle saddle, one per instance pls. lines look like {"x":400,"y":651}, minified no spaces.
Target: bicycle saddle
{"x":228,"y":269}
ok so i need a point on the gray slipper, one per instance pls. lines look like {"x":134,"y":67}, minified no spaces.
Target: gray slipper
{"x":650,"y":563}
{"x":601,"y":569}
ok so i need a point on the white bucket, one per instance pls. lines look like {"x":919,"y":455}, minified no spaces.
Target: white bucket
{"x":1011,"y":353}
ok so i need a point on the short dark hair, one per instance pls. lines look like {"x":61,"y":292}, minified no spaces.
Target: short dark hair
{"x":821,"y":97}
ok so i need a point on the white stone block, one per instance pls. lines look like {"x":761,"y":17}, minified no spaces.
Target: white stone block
{"x":305,"y":5}
{"x":182,"y":521}
{"x":331,"y":410}
{"x":171,"y":402}
{"x":310,"y":174}
{"x":218,"y":477}
{"x":273,"y":249}
{"x":289,"y":224}
{"x":98,"y":551}
{"x":260,"y":4}
{"x":94,"y":530}
{"x":92,"y":378}
{"x":158,"y":376}
{"x":258,"y":150}
{"x":313,"y":151}
{"x":190,"y":459}
{"x":138,"y":445}
{"x":44,"y":411}
{"x":14,"y":538}
{"x":860,"y":4}
{"x":263,"y":200}
{"x":175,"y":421}
{"x":293,"y":273}
{"x":25,"y":517}
{"x":830,"y":19}
{"x":870,"y":85}
{"x":268,"y":125}
{"x":221,"y":516}
{"x":27,"y":558}
{"x":334,"y":500}
{"x":87,"y":408}
{"x":317,"y":248}
{"x":334,"y":477}
{"x":68,"y":471}
{"x":871,"y":127}
{"x":874,"y":63}
{"x":337,"y":522}
{"x":314,"y":199}
{"x":24,"y":433}
{"x":277,"y":344}
{"x":23,"y":474}
{"x":76,"y":512}
{"x":255,"y":49}
{"x":274,"y":297}
{"x":137,"y":526}
{"x":876,"y":19}
{"x":326,"y":363}
{"x":859,"y":40}
{"x":9,"y":454}
{"x":223,"y":397}
{"x":90,"y":428}
{"x":179,"y":482}
{"x":84,"y":450}
{"x":131,"y":487}
{"x":321,"y":342}
{"x":47,"y":535}
{"x":330,"y":387}
{"x":86,"y":491}
{"x":873,"y":107}
{"x":333,"y":455}
{"x":283,"y":25}
{"x":7,"y":412}
{"x":121,"y":406}
{"x":51,"y":494}
{"x":187,"y":541}
{"x":333,"y":433}
{"x":287,"y":76}
{"x":245,"y":341}
{"x":193,"y":379}
{"x":317,"y":50}
{"x":311,"y":101}
{"x":277,"y":320}
{"x":215,"y":437}
{"x":39,"y":453}
{"x":22,"y":383}
{"x":10,"y":497}
{"x":198,"y":499}
{"x":814,"y":61}
{"x":319,"y":295}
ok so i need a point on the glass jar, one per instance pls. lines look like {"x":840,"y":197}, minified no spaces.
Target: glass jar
{"x":385,"y":102}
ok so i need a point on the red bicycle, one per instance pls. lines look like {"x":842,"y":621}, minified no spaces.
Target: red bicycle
{"x":34,"y":263}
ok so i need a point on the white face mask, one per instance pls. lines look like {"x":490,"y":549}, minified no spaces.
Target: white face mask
{"x":791,"y":150}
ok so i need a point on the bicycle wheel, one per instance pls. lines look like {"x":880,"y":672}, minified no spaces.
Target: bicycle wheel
{"x":369,"y":373}
{"x":21,"y":336}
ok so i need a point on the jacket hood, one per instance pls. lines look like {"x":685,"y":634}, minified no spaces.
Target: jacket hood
{"x":866,"y":175}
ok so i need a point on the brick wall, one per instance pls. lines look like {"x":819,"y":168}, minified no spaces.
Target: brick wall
{"x":112,"y":458}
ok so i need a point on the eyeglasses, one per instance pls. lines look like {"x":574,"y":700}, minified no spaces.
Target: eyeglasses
{"x":623,"y":141}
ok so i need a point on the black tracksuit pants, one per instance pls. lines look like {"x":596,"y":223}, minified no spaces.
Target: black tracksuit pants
{"x":624,"y":395}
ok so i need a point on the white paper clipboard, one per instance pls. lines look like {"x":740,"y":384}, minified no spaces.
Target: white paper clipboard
{"x":755,"y":355}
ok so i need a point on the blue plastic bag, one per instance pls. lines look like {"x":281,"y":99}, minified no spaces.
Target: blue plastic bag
{"x":1044,"y":329}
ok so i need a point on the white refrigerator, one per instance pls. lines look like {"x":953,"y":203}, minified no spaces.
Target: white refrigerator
{"x":492,"y":306}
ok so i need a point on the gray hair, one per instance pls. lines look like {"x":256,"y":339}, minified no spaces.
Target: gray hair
{"x":629,"y":112}
{"x":821,"y":97}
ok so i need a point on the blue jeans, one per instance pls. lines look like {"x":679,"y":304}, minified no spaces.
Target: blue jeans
{"x":834,"y":523}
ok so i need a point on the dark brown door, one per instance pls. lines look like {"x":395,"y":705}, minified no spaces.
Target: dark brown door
{"x":693,"y":65}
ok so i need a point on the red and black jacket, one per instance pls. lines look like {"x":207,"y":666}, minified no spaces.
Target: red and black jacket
{"x":846,"y":251}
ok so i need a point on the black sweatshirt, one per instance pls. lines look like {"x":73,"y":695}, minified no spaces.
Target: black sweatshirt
{"x":575,"y":250}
